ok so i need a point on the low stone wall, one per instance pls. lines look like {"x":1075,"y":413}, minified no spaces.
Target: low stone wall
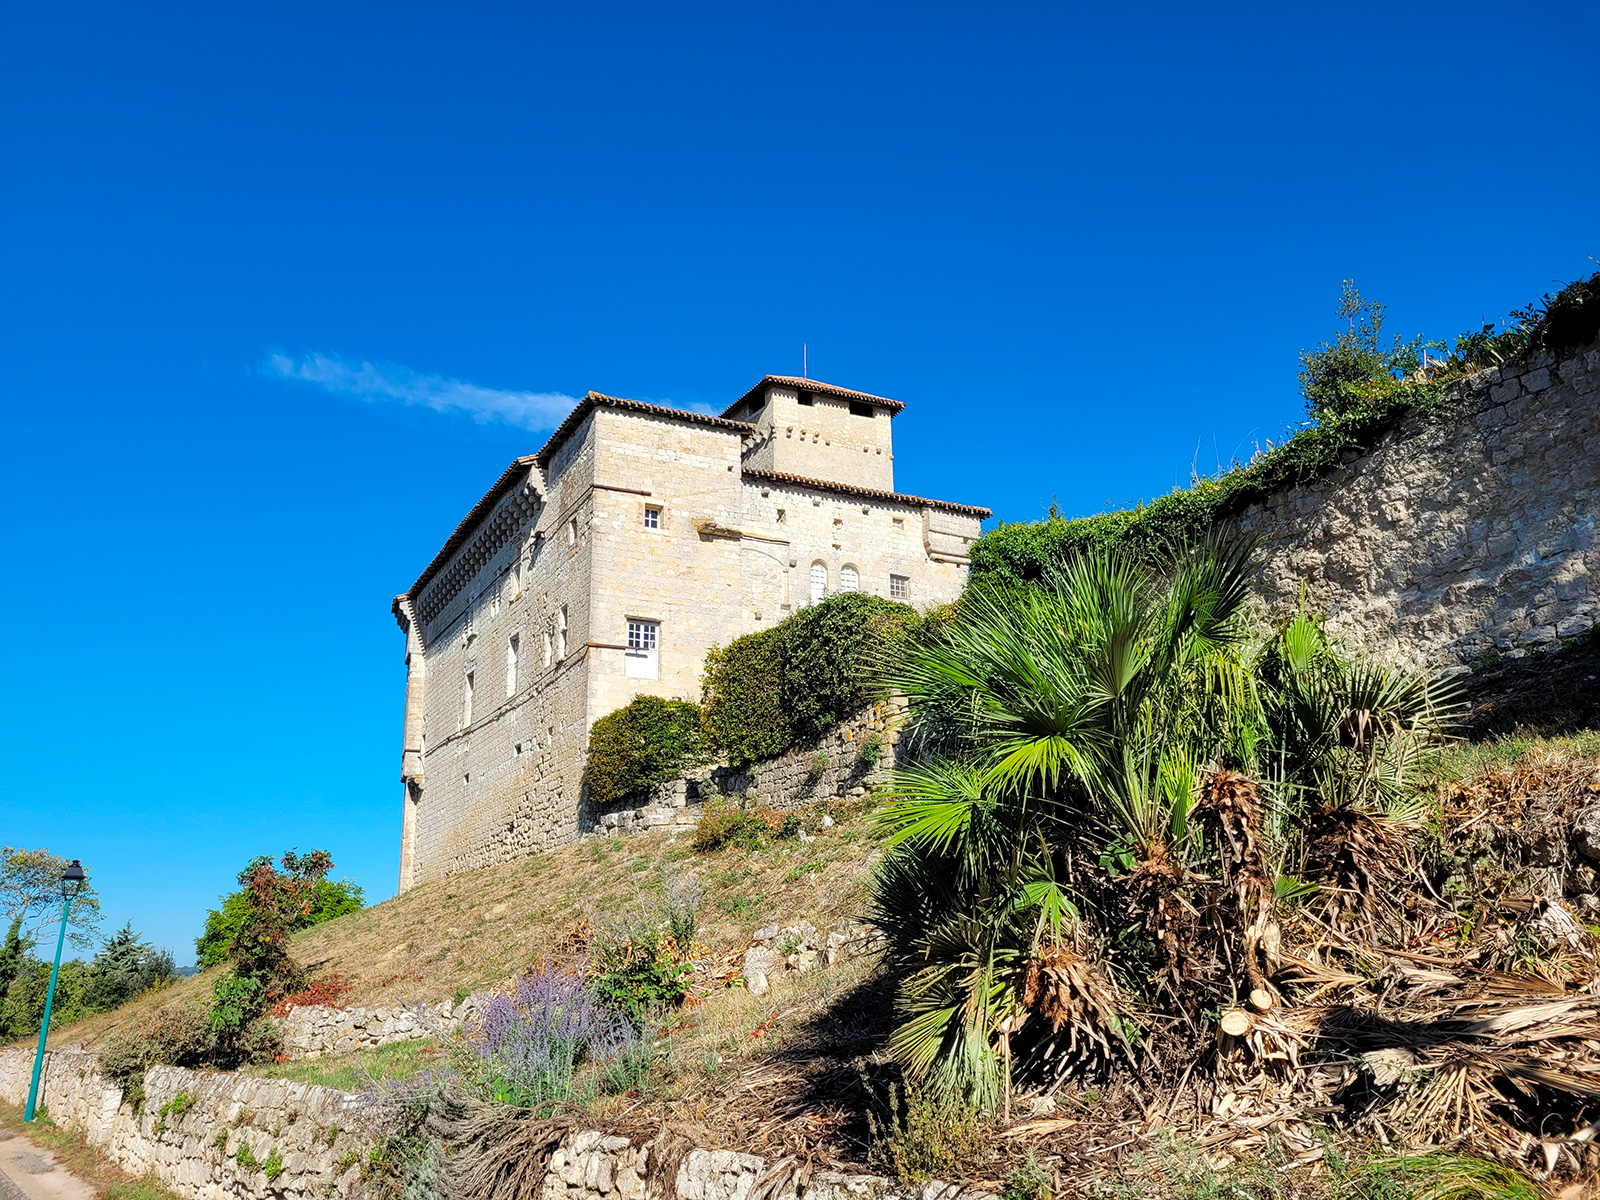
{"x":308,"y":1129}
{"x":852,"y":759}
{"x":312,"y":1030}
{"x":195,"y":1152}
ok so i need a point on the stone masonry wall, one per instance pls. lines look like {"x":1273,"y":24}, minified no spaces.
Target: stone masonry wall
{"x":787,"y":782}
{"x":195,"y":1152}
{"x":1459,"y":537}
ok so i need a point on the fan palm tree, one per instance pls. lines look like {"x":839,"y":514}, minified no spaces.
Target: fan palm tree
{"x":1082,"y":708}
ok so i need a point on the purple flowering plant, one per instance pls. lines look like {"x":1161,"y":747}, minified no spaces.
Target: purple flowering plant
{"x":530,"y":1042}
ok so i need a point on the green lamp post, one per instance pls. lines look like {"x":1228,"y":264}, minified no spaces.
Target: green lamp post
{"x":72,"y":880}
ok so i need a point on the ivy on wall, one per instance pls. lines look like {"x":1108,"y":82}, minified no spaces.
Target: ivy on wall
{"x":788,"y":685}
{"x":1356,"y":391}
{"x":646,"y":742}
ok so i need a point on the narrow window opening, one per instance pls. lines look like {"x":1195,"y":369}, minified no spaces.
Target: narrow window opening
{"x":513,"y":652}
{"x":466,"y":702}
{"x":561,"y":632}
{"x":548,"y":651}
{"x":572,"y":532}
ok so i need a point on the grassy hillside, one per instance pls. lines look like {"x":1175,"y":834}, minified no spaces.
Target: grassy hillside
{"x":443,"y":939}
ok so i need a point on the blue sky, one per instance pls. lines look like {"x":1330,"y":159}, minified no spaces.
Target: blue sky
{"x":286,"y":287}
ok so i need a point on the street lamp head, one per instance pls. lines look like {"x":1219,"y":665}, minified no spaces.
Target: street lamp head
{"x":72,"y":879}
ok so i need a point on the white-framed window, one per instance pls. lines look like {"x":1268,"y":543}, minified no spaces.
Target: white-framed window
{"x":819,"y":581}
{"x":899,"y":587}
{"x":513,"y":652}
{"x":641,"y":661}
{"x":561,"y":632}
{"x":849,"y":579}
{"x":466,"y":701}
{"x":652,"y":517}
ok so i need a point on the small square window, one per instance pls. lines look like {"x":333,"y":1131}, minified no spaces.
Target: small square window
{"x":807,"y":399}
{"x":899,"y":587}
{"x":642,"y":635}
{"x":652,"y":517}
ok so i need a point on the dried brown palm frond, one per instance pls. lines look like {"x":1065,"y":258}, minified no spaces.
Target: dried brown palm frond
{"x":1085,"y":1012}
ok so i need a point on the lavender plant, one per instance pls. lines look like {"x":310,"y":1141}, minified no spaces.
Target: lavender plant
{"x":531,"y":1041}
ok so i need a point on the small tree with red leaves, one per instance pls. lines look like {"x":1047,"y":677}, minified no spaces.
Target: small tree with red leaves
{"x":277,"y":898}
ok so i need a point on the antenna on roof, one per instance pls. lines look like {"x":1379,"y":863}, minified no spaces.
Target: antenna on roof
{"x":805,"y":366}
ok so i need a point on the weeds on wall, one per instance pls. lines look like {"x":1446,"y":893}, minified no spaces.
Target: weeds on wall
{"x":646,"y":742}
{"x":1356,"y":387}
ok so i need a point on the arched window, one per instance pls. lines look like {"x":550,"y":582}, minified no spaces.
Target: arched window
{"x":849,"y":580}
{"x":819,"y":581}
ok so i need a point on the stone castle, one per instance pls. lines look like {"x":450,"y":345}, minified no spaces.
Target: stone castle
{"x":604,"y":567}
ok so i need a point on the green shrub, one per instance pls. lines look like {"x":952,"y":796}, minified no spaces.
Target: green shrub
{"x":870,"y":750}
{"x":330,"y":899}
{"x":646,"y":742}
{"x":742,"y":695}
{"x":178,"y":1105}
{"x":181,"y":1035}
{"x":724,"y":823}
{"x":638,"y":975}
{"x":924,"y":1136}
{"x":790,"y":684}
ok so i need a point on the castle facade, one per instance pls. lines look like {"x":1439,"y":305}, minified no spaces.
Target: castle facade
{"x":604,"y":567}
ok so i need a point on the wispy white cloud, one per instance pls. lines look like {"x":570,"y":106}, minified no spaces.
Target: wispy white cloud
{"x":383,"y":381}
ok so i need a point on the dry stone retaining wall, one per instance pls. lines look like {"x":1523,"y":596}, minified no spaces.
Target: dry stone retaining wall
{"x":195,"y":1152}
{"x":312,"y":1030}
{"x":1462,"y":537}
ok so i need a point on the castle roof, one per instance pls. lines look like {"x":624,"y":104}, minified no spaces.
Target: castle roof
{"x":508,"y":480}
{"x":596,"y":400}
{"x":815,"y":385}
{"x":848,"y":489}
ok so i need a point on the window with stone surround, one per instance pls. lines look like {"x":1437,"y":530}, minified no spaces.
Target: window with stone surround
{"x":513,"y":652}
{"x":899,"y":587}
{"x":652,"y":517}
{"x":819,"y":581}
{"x":572,"y":532}
{"x":849,"y":579}
{"x":561,"y":632}
{"x":549,"y":651}
{"x":466,"y":702}
{"x":640,"y":661}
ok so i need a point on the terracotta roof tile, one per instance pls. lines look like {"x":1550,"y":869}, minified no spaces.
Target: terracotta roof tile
{"x":815,"y":385}
{"x":596,"y":400}
{"x":868,"y":493}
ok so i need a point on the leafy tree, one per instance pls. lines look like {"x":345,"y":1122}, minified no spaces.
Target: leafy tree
{"x":332,"y":898}
{"x":30,"y":892}
{"x":126,"y":967}
{"x":277,"y":899}
{"x":22,"y":1007}
{"x":1342,"y":375}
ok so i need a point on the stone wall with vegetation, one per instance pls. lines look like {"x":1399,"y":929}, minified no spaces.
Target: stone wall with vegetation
{"x":205,"y":1135}
{"x":848,"y":761}
{"x":1461,"y":536}
{"x":219,"y":1135}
